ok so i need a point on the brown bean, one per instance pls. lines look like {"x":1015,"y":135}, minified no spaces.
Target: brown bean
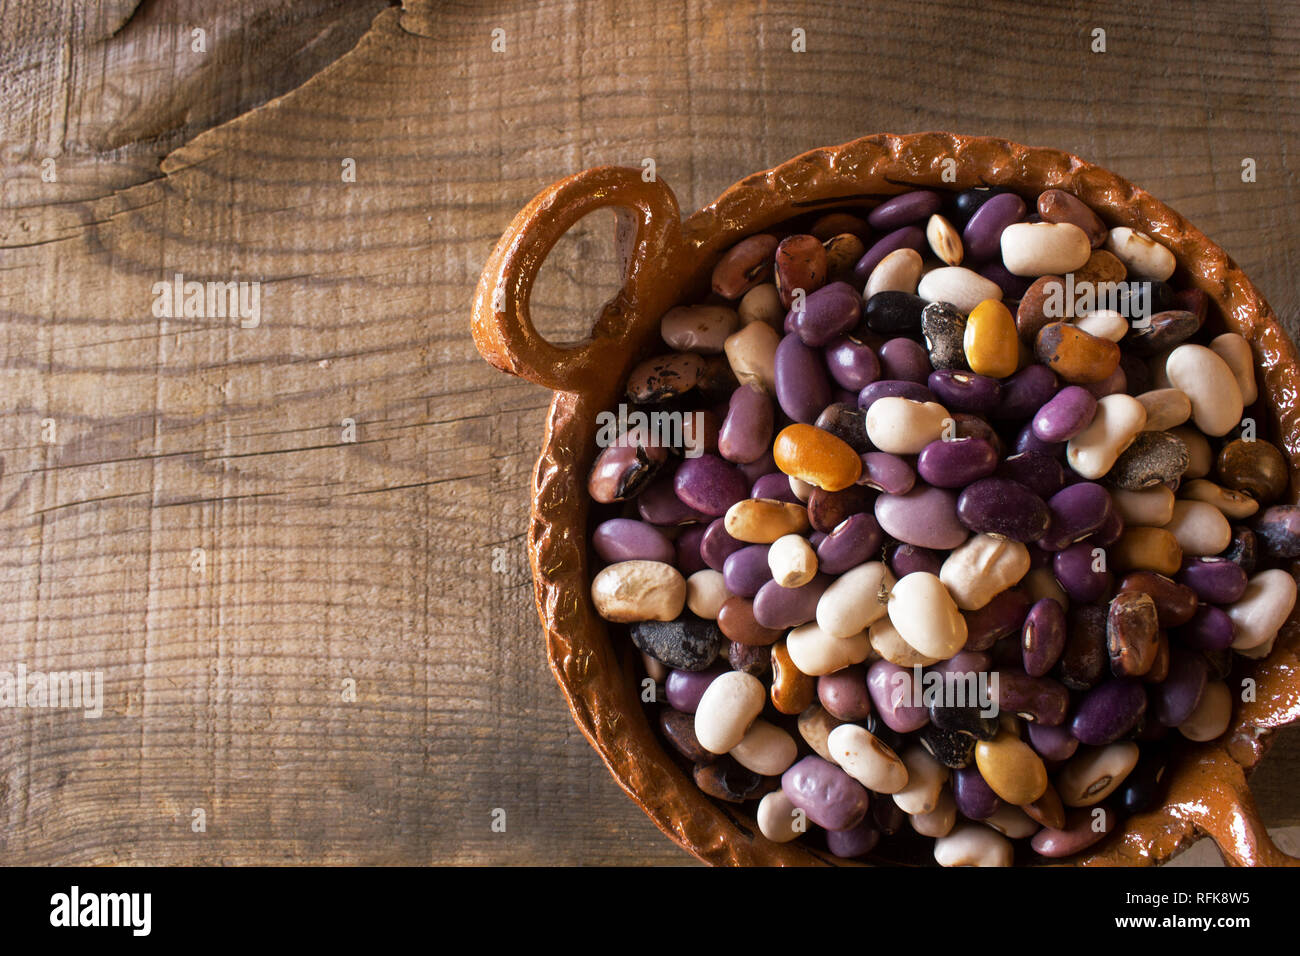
{"x":1085,"y":662}
{"x":664,"y":376}
{"x":725,"y":779}
{"x":1030,"y":314}
{"x":1102,"y":266}
{"x":755,"y":659}
{"x":679,"y":728}
{"x":1146,"y":549}
{"x":1056,"y":205}
{"x":1131,"y":633}
{"x":826,"y":509}
{"x":1175,"y":603}
{"x":1076,"y":356}
{"x":623,"y":471}
{"x":800,"y":264}
{"x":1160,"y":666}
{"x":1047,"y":809}
{"x":792,"y":690}
{"x":842,"y":254}
{"x":744,"y":266}
{"x":1255,"y":468}
{"x":736,"y":621}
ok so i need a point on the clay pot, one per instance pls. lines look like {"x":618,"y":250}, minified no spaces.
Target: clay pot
{"x":668,"y":261}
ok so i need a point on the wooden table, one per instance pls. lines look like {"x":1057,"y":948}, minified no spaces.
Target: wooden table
{"x":294,"y":550}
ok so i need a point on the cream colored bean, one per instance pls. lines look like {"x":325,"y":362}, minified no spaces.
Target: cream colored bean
{"x":926,"y":616}
{"x":1235,"y":352}
{"x":945,"y":240}
{"x":899,"y":271}
{"x":802,"y":489}
{"x":1260,"y":651}
{"x":957,"y":286}
{"x":815,"y":652}
{"x":1012,"y":822}
{"x":751,"y":353}
{"x":1233,"y":504}
{"x":1259,"y":613}
{"x":925,"y":780}
{"x":853,"y":602}
{"x":729,"y":705}
{"x":973,"y":844}
{"x":864,"y":758}
{"x":705,"y":593}
{"x":1211,"y":386}
{"x":778,"y":819}
{"x":1104,"y":323}
{"x":656,"y":670}
{"x":815,"y":726}
{"x":889,"y":644}
{"x":792,"y":561}
{"x":639,"y":591}
{"x":1200,"y":456}
{"x":763,"y":520}
{"x":698,"y":328}
{"x":1044,"y":248}
{"x":982,"y":568}
{"x":1211,"y":716}
{"x":1119,"y":419}
{"x":1094,"y":773}
{"x":1152,"y":507}
{"x":901,"y":426}
{"x":762,"y":304}
{"x":765,"y":749}
{"x":1041,"y":583}
{"x":1201,"y":528}
{"x":939,"y":821}
{"x":1142,"y":256}
{"x":1166,"y":408}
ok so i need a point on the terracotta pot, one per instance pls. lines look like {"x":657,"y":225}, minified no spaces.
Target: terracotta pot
{"x":668,"y":261}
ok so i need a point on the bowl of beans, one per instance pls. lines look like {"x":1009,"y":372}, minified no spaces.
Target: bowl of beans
{"x":928,"y":499}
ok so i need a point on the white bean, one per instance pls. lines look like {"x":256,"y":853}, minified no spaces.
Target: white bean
{"x":889,"y":644}
{"x":1119,"y":419}
{"x":1211,"y":716}
{"x":1104,"y":323}
{"x":902,"y":426}
{"x":1166,"y":408}
{"x":1211,"y":386}
{"x":957,"y":286}
{"x":1233,"y":504}
{"x":982,"y":568}
{"x":939,"y":821}
{"x":1142,"y":256}
{"x":899,"y":271}
{"x":762,"y":304}
{"x":814,"y":652}
{"x":792,"y":561}
{"x":853,"y":600}
{"x":778,"y":818}
{"x":1094,"y":773}
{"x":729,"y":705}
{"x":925,"y":780}
{"x":765,"y":749}
{"x":1044,"y":248}
{"x":1201,"y":528}
{"x":1152,"y":507}
{"x":706,"y":591}
{"x":926,"y":615}
{"x":1259,"y":613}
{"x":973,"y":844}
{"x":1235,"y":351}
{"x":944,"y":239}
{"x":864,"y":758}
{"x":1012,"y":822}
{"x":751,"y":353}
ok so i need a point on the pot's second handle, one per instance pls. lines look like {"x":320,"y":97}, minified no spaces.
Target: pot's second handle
{"x":649,"y":237}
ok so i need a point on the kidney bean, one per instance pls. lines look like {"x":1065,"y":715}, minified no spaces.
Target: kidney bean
{"x":906,"y":558}
{"x":686,"y":550}
{"x":847,"y":423}
{"x":1152,"y":458}
{"x":965,"y":391}
{"x":1085,"y":660}
{"x":749,"y":658}
{"x":1243,"y":550}
{"x":1210,"y":629}
{"x":709,"y":484}
{"x":762,"y":521}
{"x":1131,"y":626}
{"x":1175,"y":698}
{"x":867,"y":759}
{"x":1040,"y":473}
{"x":1235,"y":351}
{"x":925,"y":517}
{"x":802,"y":385}
{"x":679,"y":729}
{"x":844,"y":695}
{"x":1076,"y":356}
{"x":842,"y":253}
{"x":799,"y":264}
{"x":706,"y":592}
{"x":829,"y":796}
{"x":904,"y":360}
{"x":1042,"y":639}
{"x":744,"y":266}
{"x":774,"y":486}
{"x":1175,"y":603}
{"x":1027,"y":441}
{"x":853,"y":364}
{"x":827,"y":313}
{"x":1052,"y":743}
{"x":725,"y":779}
{"x":1080,"y":570}
{"x":1109,"y":711}
{"x":776,"y":818}
{"x":899,"y":271}
{"x":854,"y":600}
{"x":1011,"y":768}
{"x":1036,"y":699}
{"x":1075,"y":512}
{"x":984,"y":566}
{"x":1003,"y":507}
{"x":683,"y":689}
{"x":893,"y":388}
{"x":905,"y":209}
{"x":951,"y":748}
{"x":1082,"y":830}
{"x":717,"y":545}
{"x":746,"y":570}
{"x":1025,"y":392}
{"x":974,"y":798}
{"x":849,"y":544}
{"x":1278,"y":532}
{"x":624,"y":539}
{"x":1268,"y":601}
{"x":1003,"y":615}
{"x":1215,"y":580}
{"x":925,"y":780}
{"x":1069,"y":412}
{"x":1161,"y":332}
{"x":956,"y":463}
{"x":1144,"y":788}
{"x":892,"y":689}
{"x":926,"y":616}
{"x":983,"y":233}
{"x":854,"y":842}
{"x":736,"y":620}
{"x":887,"y":473}
{"x":1209,"y":383}
{"x":1212,"y":715}
{"x":1056,"y":205}
{"x":907,"y":237}
{"x":1012,"y":286}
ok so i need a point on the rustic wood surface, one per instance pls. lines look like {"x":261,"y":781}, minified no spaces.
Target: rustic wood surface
{"x":396,"y":561}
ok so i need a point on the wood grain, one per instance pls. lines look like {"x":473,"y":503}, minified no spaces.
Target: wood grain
{"x":372,"y":560}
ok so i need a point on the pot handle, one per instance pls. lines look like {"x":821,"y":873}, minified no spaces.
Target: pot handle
{"x":649,"y":240}
{"x":1235,"y":825}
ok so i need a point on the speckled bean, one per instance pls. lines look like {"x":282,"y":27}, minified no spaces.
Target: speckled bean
{"x":639,"y":591}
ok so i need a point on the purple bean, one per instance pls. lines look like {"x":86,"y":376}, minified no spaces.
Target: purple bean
{"x":827,"y":314}
{"x":887,"y":473}
{"x":660,"y":505}
{"x":956,"y":463}
{"x":1026,"y":440}
{"x":855,"y":541}
{"x":1215,"y":580}
{"x":906,"y":558}
{"x":1109,"y":711}
{"x":982,"y":236}
{"x":1039,"y":700}
{"x":974,"y":797}
{"x":746,"y":432}
{"x":1067,"y":413}
{"x":909,"y":237}
{"x":905,"y":360}
{"x":802,"y":385}
{"x":853,"y":364}
{"x":754,"y":470}
{"x":1052,"y":743}
{"x":778,"y":607}
{"x":905,"y":209}
{"x":625,"y":539}
{"x":962,"y":391}
{"x":746,"y":570}
{"x":892,"y":690}
{"x":1113,"y":384}
{"x":1210,"y":629}
{"x":829,"y":796}
{"x":717,"y":544}
{"x":1076,"y":571}
{"x":1076,"y":512}
{"x":1174,"y":698}
{"x":925,"y":516}
{"x":685,"y":688}
{"x":687,"y":549}
{"x":1001,"y":506}
{"x":844,"y":693}
{"x":1026,"y":391}
{"x":1040,"y":473}
{"x":1043,"y":637}
{"x":775,"y":486}
{"x":709,"y":484}
{"x":1013,"y":286}
{"x":854,"y":842}
{"x":893,"y":388}
{"x":1003,"y":615}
